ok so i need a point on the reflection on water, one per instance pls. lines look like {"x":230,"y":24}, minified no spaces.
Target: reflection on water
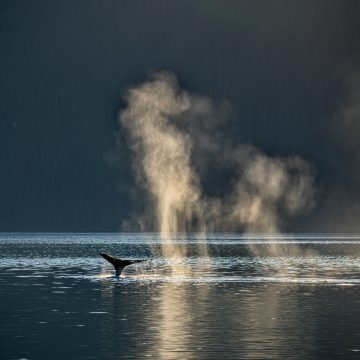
{"x":60,"y":300}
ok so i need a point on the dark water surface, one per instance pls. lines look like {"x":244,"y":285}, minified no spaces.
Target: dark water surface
{"x":264,"y":297}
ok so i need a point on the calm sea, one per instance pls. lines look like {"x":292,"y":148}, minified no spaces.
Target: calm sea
{"x":259,"y":297}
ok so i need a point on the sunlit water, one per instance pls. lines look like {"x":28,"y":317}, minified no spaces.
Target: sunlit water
{"x":259,"y":297}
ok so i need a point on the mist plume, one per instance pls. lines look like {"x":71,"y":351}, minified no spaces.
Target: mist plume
{"x":163,"y":152}
{"x":348,"y":113}
{"x":176,"y":139}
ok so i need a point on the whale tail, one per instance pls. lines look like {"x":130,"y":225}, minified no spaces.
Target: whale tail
{"x":118,"y":263}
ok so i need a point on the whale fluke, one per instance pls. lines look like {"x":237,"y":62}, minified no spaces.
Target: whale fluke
{"x":118,"y":263}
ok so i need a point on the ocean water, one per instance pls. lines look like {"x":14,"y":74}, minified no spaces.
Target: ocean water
{"x":245,"y":297}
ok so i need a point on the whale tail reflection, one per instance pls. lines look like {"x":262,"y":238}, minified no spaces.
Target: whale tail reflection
{"x":118,"y":263}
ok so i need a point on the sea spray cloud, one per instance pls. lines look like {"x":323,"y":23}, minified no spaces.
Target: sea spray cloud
{"x":176,"y":138}
{"x":162,"y":152}
{"x":348,"y":113}
{"x":340,"y":208}
{"x":268,"y":190}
